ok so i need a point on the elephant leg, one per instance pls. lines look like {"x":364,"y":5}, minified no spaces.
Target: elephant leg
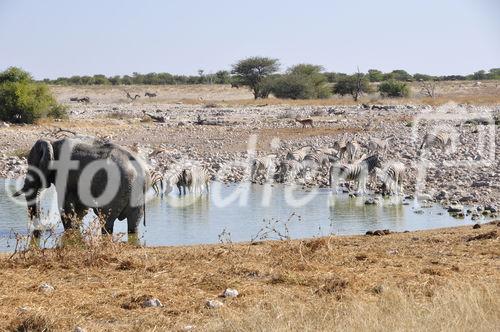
{"x":72,"y":213}
{"x":134,"y":218}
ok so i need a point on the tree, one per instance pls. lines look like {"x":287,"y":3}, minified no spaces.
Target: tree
{"x":24,"y":101}
{"x":222,"y":77}
{"x":479,"y":75}
{"x":14,"y":74}
{"x":252,"y":71}
{"x":333,"y":77}
{"x":354,"y":85}
{"x":375,"y":75}
{"x":393,"y":88}
{"x":401,"y":75}
{"x":423,"y":77}
{"x":428,"y":88}
{"x":302,"y":81}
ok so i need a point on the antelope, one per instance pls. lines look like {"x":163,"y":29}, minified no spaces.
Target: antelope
{"x":305,"y":122}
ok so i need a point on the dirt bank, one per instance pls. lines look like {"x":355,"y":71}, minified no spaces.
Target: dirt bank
{"x":444,"y":279}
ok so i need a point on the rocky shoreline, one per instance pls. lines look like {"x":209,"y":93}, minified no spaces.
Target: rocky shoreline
{"x":216,"y":136}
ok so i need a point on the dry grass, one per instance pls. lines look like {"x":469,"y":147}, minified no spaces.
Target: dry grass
{"x":487,"y":93}
{"x":429,"y":280}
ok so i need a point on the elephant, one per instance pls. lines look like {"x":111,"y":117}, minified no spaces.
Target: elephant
{"x":92,"y":168}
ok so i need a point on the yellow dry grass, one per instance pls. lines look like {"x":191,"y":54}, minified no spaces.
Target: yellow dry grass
{"x":487,"y":93}
{"x":429,"y":280}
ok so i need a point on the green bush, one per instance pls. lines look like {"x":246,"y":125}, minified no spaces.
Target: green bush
{"x":293,"y":87}
{"x":303,"y":81}
{"x":354,"y":85}
{"x":24,"y":101}
{"x":394,"y":88}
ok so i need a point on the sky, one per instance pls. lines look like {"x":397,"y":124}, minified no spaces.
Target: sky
{"x":53,"y":38}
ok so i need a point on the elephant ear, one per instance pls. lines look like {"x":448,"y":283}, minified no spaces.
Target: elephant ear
{"x":41,"y":156}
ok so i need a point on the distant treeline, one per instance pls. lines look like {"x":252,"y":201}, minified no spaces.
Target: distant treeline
{"x":225,"y":77}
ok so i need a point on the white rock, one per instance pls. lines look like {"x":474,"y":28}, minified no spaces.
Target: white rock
{"x":214,"y":304}
{"x":152,"y":303}
{"x":230,"y":292}
{"x":46,"y":288}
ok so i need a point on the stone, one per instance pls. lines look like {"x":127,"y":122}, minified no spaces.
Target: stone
{"x":79,"y":329}
{"x":370,"y":201}
{"x":214,"y":304}
{"x":152,"y":303}
{"x":4,"y":125}
{"x":476,"y":226}
{"x":455,"y":207}
{"x":230,"y":292}
{"x":46,"y":288}
{"x":491,"y":208}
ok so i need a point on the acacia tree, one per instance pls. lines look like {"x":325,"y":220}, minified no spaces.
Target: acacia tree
{"x":354,"y":85}
{"x":253,"y":71}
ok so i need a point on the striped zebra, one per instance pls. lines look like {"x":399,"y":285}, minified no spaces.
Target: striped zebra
{"x":192,"y":179}
{"x":351,"y":150}
{"x":315,"y":160}
{"x":357,"y":172}
{"x":288,"y":170}
{"x":262,"y":168}
{"x":393,"y":176}
{"x":331,"y":152}
{"x":157,"y":180}
{"x":200,"y":179}
{"x":299,"y":154}
{"x":376,"y":145}
{"x":183,"y":179}
{"x":441,"y":140}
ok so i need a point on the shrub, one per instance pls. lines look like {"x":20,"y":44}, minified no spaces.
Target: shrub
{"x":293,"y":87}
{"x":354,"y":85}
{"x":24,"y":101}
{"x":375,"y":75}
{"x":394,"y":88}
{"x":302,"y":81}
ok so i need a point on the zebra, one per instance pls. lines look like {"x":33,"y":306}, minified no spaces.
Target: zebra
{"x":440,"y":139}
{"x":262,"y":167}
{"x":358,"y":172}
{"x":331,"y":152}
{"x":351,"y":150}
{"x":150,"y":94}
{"x":378,"y":145}
{"x":289,"y":170}
{"x":183,"y":179}
{"x":157,"y":178}
{"x":316,"y":159}
{"x":392,"y":177}
{"x":299,"y":154}
{"x":200,"y":179}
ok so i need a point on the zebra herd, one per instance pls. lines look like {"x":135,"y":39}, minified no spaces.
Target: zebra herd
{"x":341,"y":162}
{"x":345,"y":161}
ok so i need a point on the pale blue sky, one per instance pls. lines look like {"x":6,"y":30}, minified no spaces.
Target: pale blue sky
{"x":52,"y":38}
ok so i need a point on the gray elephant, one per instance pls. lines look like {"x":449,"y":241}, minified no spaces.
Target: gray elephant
{"x":83,"y":173}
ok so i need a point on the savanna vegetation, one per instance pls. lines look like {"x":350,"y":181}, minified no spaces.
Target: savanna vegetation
{"x":419,"y":281}
{"x":22,"y":100}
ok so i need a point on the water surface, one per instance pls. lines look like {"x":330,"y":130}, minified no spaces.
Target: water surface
{"x":175,"y":220}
